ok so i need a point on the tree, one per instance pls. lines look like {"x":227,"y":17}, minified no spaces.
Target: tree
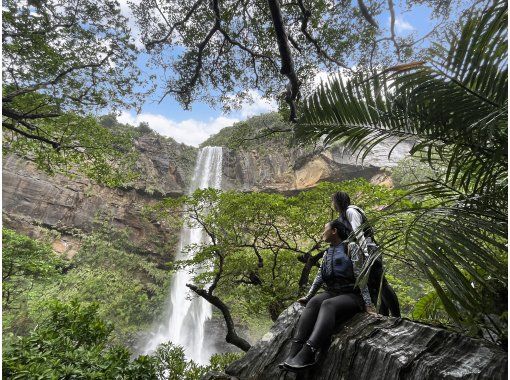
{"x":24,"y":261}
{"x":61,"y":61}
{"x":129,"y":288}
{"x":74,"y":343}
{"x":262,"y":249}
{"x":245,"y":45}
{"x":454,"y":108}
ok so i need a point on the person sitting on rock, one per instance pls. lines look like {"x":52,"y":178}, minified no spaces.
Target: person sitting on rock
{"x":354,"y":217}
{"x":341,"y":300}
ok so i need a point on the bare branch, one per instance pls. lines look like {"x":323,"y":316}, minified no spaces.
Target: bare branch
{"x":232,"y":336}
{"x":287,"y":62}
{"x":366,"y":14}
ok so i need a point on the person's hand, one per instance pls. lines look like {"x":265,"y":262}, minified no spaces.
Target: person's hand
{"x":303,"y":300}
{"x":370,"y":309}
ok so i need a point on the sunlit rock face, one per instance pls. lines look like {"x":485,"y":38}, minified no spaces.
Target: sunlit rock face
{"x":374,"y":347}
{"x":290,"y":169}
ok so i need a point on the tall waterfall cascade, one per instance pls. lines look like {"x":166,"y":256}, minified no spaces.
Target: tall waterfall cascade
{"x":186,"y":318}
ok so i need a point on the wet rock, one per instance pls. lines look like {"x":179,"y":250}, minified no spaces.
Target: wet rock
{"x":375,"y":347}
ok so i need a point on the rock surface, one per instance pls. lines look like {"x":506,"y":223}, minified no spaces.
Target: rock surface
{"x":254,"y":160}
{"x":36,"y":203}
{"x":374,"y":347}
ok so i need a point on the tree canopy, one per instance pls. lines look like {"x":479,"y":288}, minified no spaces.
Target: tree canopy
{"x":62,"y":61}
{"x":213,"y":49}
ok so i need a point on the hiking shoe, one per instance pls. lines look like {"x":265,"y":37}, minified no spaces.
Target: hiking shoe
{"x":305,"y":358}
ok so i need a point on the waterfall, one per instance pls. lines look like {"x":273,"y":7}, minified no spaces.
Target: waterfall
{"x":185,"y":324}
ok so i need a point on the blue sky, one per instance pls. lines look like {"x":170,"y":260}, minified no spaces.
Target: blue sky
{"x":196,"y":125}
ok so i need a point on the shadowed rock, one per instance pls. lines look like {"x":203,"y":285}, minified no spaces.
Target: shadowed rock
{"x":374,"y":347}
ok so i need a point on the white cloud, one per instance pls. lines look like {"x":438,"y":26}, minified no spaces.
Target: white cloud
{"x":192,"y":131}
{"x":321,"y":76}
{"x":324,"y":76}
{"x":189,"y":131}
{"x":256,"y":106}
{"x":402,"y":26}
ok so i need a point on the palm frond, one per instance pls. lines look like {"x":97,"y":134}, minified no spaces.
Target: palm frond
{"x":454,"y":111}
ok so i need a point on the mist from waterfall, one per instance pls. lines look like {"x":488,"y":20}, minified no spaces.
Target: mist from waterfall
{"x":186,"y":318}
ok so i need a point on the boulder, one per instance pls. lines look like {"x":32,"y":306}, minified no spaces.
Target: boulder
{"x":374,"y":347}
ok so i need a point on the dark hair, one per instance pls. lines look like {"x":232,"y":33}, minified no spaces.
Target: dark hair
{"x":342,"y":230}
{"x":341,"y":201}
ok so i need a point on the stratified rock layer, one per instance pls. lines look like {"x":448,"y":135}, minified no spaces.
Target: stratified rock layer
{"x":290,"y":169}
{"x":374,"y":347}
{"x":35,"y":203}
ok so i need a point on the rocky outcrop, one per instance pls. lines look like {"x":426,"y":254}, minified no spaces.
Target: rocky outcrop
{"x":374,"y":347}
{"x":35,"y":202}
{"x":274,"y":163}
{"x":293,"y":169}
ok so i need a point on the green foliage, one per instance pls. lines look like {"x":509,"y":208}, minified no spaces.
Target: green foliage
{"x":24,"y":261}
{"x":85,"y":147}
{"x":72,"y":343}
{"x":261,"y":133}
{"x":128,"y":288}
{"x":430,"y":308}
{"x":63,"y":61}
{"x":261,"y":242}
{"x":412,"y":170}
{"x":455,"y":111}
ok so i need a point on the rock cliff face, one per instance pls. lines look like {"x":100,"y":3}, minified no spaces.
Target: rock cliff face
{"x":373,"y":347}
{"x":293,"y":169}
{"x":273,"y":164}
{"x":35,"y":203}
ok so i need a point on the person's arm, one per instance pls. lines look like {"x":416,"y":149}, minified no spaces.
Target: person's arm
{"x":356,"y":221}
{"x":317,"y":283}
{"x":358,"y":260}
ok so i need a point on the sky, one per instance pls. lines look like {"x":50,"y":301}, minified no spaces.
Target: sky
{"x":196,"y":125}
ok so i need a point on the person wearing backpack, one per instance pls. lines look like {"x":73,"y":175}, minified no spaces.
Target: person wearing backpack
{"x":354,"y":217}
{"x":341,"y":300}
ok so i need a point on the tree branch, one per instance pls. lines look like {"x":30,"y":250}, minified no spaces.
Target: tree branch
{"x":311,"y":261}
{"x":149,"y":45}
{"x":232,"y":336}
{"x":227,"y":36}
{"x":392,"y":28}
{"x":287,"y":62}
{"x":12,"y":127}
{"x":304,"y":25}
{"x":186,"y":90}
{"x":366,"y":14}
{"x":57,"y":79}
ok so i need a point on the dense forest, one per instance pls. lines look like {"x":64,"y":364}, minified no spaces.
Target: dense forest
{"x":440,"y":214}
